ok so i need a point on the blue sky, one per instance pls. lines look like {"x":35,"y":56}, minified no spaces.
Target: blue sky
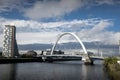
{"x":43,"y":20}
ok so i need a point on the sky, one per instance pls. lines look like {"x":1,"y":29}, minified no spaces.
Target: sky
{"x":42,"y":21}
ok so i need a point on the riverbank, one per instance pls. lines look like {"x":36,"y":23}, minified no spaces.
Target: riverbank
{"x":19,"y":60}
{"x":112,"y":68}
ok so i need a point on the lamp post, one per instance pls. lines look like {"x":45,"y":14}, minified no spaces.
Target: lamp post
{"x":119,"y":47}
{"x":98,"y":47}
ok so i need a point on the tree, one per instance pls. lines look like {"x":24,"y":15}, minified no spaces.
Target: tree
{"x":29,"y":54}
{"x":110,"y":60}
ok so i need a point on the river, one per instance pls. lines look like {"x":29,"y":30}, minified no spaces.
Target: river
{"x":69,"y":70}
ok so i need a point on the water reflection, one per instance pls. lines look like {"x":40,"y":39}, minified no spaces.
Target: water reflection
{"x":52,"y":71}
{"x":94,"y":72}
{"x":7,"y":71}
{"x":84,"y":72}
{"x":12,"y":72}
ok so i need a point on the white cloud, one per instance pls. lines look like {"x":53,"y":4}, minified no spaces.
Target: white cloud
{"x":57,"y":8}
{"x":40,"y":9}
{"x":38,"y":37}
{"x":103,"y":24}
{"x":54,"y":8}
{"x":9,"y":5}
{"x":99,"y":33}
{"x":30,"y":31}
{"x":109,"y":2}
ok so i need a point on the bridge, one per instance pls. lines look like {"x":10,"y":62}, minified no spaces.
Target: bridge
{"x":67,"y":57}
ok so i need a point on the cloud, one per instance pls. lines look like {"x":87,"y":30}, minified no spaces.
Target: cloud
{"x":94,"y":29}
{"x":38,"y":37}
{"x":62,"y":26}
{"x":102,"y":25}
{"x":53,"y":8}
{"x":45,"y":9}
{"x":58,"y":8}
{"x":9,"y":5}
{"x":99,"y":32}
{"x":109,"y":2}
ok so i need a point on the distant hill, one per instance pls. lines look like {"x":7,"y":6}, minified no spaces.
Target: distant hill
{"x":69,"y":45}
{"x":34,"y":46}
{"x":90,"y":46}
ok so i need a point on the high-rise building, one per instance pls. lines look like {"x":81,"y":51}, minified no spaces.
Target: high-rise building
{"x":119,"y":47}
{"x":10,"y":48}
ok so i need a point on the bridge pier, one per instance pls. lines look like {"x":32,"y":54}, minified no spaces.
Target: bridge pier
{"x":87,"y":60}
{"x":47,"y":59}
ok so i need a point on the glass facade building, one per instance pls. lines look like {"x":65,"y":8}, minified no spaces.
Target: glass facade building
{"x":10,"y":48}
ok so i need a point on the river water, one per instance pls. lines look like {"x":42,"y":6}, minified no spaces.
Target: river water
{"x":71,"y":70}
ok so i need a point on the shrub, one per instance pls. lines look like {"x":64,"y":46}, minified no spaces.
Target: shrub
{"x":110,"y":60}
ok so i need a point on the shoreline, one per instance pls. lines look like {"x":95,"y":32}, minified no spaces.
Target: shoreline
{"x":112,"y":68}
{"x":19,"y":60}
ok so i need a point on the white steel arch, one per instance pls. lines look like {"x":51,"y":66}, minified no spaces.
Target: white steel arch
{"x":72,"y":34}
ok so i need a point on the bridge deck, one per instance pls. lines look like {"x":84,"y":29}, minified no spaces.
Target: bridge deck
{"x":71,"y":57}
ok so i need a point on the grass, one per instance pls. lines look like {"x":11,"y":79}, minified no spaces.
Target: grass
{"x":112,"y":68}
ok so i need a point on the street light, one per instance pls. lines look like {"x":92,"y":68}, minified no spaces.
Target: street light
{"x":119,"y":47}
{"x":98,"y":47}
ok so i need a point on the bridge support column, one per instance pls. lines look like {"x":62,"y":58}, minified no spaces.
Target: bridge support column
{"x":87,"y":60}
{"x":47,"y":59}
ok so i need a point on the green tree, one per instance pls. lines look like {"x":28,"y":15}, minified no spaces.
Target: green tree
{"x":110,"y":60}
